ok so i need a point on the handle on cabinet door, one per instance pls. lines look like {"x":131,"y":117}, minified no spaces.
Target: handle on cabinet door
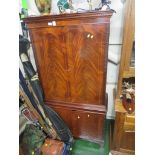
{"x":89,"y":35}
{"x":78,"y":117}
{"x":52,"y":23}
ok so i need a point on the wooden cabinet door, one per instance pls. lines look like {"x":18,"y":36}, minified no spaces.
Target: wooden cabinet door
{"x":72,"y":62}
{"x":87,"y":56}
{"x":51,"y":56}
{"x":83,"y":124}
{"x":88,"y":125}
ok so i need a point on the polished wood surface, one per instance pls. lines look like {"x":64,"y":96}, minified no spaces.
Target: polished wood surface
{"x":97,"y":16}
{"x":124,"y":130}
{"x":122,"y":153}
{"x":73,"y":71}
{"x":119,"y":107}
{"x":125,"y":70}
{"x":71,"y":55}
{"x":123,"y":142}
{"x":84,"y":124}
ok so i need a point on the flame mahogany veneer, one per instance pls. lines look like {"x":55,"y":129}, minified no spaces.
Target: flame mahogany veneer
{"x":71,"y":56}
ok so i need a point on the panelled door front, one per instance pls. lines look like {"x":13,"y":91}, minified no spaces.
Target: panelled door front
{"x":72,"y":62}
{"x":51,"y":55}
{"x":86,"y":62}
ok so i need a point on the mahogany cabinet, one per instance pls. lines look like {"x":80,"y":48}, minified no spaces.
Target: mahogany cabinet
{"x":71,"y":56}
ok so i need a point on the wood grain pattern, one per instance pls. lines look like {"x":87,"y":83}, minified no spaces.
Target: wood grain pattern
{"x":86,"y":55}
{"x":128,"y":38}
{"x":71,"y":59}
{"x":97,"y":16}
{"x":90,"y":128}
{"x":83,"y":124}
{"x":52,"y":62}
{"x":73,"y":71}
{"x":128,"y":140}
{"x":76,"y":106}
{"x":124,"y":152}
{"x":118,"y":129}
{"x":124,"y":131}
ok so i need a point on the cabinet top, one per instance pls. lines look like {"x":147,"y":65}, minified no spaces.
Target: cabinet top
{"x":92,"y":14}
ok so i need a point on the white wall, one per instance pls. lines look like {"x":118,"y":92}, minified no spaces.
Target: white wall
{"x":115,"y":41}
{"x":115,"y":45}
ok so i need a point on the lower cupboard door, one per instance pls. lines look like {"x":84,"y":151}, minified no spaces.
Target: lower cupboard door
{"x":83,"y":124}
{"x":88,"y":125}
